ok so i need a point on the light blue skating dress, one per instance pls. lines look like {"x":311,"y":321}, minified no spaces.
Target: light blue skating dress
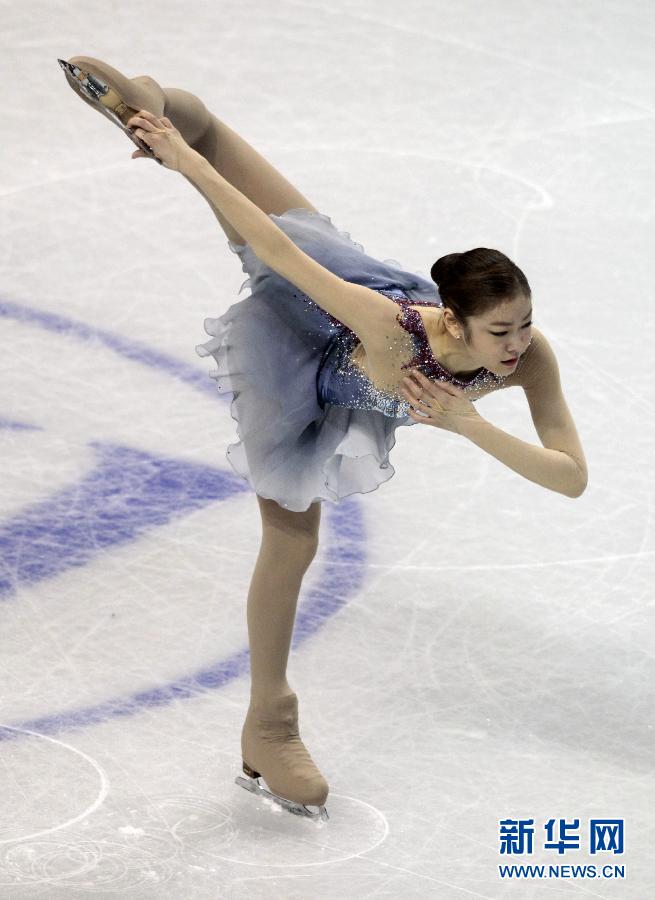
{"x":310,"y":424}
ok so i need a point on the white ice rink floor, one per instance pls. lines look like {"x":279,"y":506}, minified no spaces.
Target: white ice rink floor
{"x":474,"y":653}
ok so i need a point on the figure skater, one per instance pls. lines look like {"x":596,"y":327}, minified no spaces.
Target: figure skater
{"x":327,"y":356}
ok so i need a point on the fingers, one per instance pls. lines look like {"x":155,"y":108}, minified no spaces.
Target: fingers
{"x":434,"y":387}
{"x":421,"y":405}
{"x":410,"y":388}
{"x":145,"y":114}
{"x":428,"y":398}
{"x":141,"y":122}
{"x":149,"y":122}
{"x":415,"y":395}
{"x":418,"y":386}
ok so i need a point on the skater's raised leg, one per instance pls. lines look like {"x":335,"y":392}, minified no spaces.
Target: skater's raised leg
{"x":236,"y":160}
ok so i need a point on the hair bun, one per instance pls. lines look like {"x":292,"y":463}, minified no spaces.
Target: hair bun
{"x":444,"y":268}
{"x":477,"y":281}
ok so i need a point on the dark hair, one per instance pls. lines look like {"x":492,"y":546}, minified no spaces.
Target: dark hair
{"x":476,"y":281}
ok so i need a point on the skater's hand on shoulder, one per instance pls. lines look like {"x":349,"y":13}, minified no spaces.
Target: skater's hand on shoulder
{"x":437,"y":403}
{"x":162,"y":137}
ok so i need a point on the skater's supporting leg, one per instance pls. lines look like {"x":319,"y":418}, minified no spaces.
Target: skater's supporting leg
{"x":289,"y":544}
{"x":228,"y":153}
{"x":270,"y":740}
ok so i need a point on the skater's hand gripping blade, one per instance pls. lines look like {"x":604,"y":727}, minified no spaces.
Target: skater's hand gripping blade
{"x":297,"y":809}
{"x":97,"y":93}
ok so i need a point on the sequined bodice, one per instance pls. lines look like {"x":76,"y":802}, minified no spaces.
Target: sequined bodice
{"x":342,"y":383}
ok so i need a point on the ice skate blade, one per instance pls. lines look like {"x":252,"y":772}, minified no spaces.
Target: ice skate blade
{"x":297,"y":809}
{"x":104,"y":98}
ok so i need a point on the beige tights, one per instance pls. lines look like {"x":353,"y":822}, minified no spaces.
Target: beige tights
{"x":289,"y":544}
{"x":289,"y":539}
{"x":230,"y":154}
{"x":270,"y":739}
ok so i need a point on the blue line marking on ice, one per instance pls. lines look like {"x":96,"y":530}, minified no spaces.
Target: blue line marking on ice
{"x":127,"y":347}
{"x":337,"y":584}
{"x":19,"y":426}
{"x":127,"y":493}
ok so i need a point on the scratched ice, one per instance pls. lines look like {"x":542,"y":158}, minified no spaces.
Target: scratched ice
{"x":470,"y":647}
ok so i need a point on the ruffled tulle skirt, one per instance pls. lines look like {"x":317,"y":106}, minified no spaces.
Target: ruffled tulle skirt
{"x":268,"y":348}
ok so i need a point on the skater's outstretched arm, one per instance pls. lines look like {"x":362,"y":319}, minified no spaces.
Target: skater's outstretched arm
{"x":367,"y":313}
{"x":558,"y":465}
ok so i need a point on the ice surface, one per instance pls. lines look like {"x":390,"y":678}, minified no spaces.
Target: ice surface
{"x":470,"y":647}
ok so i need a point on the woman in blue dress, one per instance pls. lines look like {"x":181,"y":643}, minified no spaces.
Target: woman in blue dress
{"x":327,"y":356}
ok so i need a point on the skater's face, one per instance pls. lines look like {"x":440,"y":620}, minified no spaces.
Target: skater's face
{"x":500,"y":336}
